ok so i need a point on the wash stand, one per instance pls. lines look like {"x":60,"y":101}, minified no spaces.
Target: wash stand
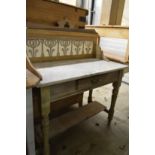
{"x":70,"y":63}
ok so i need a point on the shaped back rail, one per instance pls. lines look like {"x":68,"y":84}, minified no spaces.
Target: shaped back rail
{"x":61,"y":44}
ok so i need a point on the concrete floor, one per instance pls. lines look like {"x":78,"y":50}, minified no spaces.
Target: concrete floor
{"x":93,"y":137}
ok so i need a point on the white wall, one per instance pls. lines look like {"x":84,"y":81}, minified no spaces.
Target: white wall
{"x":97,"y":8}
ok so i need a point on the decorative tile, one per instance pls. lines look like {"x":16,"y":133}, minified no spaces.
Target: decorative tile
{"x":50,"y":47}
{"x":77,"y":47}
{"x":64,"y":47}
{"x":33,"y":48}
{"x":57,"y":47}
{"x":88,"y":47}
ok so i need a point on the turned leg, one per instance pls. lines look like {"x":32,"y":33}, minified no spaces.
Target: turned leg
{"x":115,"y":91}
{"x":90,"y":96}
{"x":45,"y":110}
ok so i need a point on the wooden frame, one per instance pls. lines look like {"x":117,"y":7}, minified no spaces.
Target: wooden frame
{"x":45,"y":95}
{"x":59,"y":124}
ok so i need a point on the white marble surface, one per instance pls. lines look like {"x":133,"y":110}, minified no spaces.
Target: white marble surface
{"x":58,"y":74}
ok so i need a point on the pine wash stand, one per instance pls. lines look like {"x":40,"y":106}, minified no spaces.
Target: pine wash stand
{"x":70,"y":62}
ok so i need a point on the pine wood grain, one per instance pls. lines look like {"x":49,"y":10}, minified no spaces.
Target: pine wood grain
{"x":64,"y":122}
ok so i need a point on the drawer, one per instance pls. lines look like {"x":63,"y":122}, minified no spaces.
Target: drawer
{"x":103,"y":79}
{"x":70,"y":88}
{"x":61,"y":90}
{"x":97,"y":80}
{"x":84,"y":84}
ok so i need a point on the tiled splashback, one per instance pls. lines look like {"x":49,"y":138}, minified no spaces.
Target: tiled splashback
{"x":57,"y":47}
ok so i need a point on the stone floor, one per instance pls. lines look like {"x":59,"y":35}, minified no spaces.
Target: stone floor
{"x":93,"y":137}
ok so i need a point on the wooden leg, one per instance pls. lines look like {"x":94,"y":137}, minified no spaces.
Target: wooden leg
{"x":45,"y":110}
{"x":90,"y":96}
{"x":116,"y":86}
{"x":80,"y":100}
{"x":80,"y":104}
{"x":30,"y":141}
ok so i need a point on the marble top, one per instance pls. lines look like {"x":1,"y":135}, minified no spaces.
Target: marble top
{"x":63,"y":73}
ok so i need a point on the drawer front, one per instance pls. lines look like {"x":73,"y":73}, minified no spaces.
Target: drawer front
{"x":84,"y":84}
{"x":66,"y":89}
{"x":60,"y":90}
{"x":97,"y":80}
{"x":100,"y":80}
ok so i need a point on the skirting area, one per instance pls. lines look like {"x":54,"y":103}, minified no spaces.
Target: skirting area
{"x":93,"y":137}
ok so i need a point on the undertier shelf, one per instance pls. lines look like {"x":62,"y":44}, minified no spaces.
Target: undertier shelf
{"x":69,"y":119}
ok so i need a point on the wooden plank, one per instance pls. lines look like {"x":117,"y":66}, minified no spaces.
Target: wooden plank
{"x":37,"y":10}
{"x":66,"y":121}
{"x":116,"y":13}
{"x":62,"y":62}
{"x":108,"y":26}
{"x":105,"y":15}
{"x":111,"y":31}
{"x":60,"y":58}
{"x":46,"y":33}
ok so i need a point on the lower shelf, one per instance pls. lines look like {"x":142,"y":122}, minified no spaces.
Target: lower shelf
{"x":66,"y":121}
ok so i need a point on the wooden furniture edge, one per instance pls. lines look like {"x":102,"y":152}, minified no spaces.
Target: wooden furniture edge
{"x":107,"y":26}
{"x":35,"y":75}
{"x":72,"y":6}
